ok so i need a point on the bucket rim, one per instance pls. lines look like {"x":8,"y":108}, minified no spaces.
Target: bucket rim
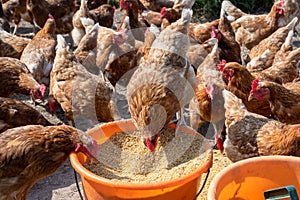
{"x":77,"y":165}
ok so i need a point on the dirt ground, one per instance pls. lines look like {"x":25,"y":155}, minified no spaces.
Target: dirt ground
{"x":61,"y":185}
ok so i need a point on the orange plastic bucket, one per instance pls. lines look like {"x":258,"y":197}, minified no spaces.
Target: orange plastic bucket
{"x":99,"y":188}
{"x":250,"y":178}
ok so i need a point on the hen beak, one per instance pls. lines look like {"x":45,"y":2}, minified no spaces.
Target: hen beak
{"x":83,"y":149}
{"x":151,"y":142}
{"x":251,"y":97}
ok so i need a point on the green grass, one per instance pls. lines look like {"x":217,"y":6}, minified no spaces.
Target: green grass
{"x":210,"y":9}
{"x":114,"y":3}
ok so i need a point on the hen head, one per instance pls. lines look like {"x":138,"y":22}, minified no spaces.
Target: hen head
{"x":119,"y":38}
{"x":50,"y":16}
{"x":113,"y":10}
{"x":164,"y":13}
{"x":228,"y":72}
{"x":210,"y":90}
{"x":53,"y":104}
{"x":125,"y":5}
{"x":215,"y":33}
{"x":50,"y":25}
{"x":279,"y":8}
{"x":89,"y":152}
{"x":221,"y":65}
{"x":40,"y":93}
{"x":258,"y":91}
{"x":150,"y":121}
{"x":219,"y":142}
{"x":213,"y":90}
{"x":151,"y":142}
{"x":87,"y":146}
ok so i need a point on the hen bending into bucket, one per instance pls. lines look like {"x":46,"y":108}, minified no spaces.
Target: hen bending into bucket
{"x":32,"y":152}
{"x":163,"y":82}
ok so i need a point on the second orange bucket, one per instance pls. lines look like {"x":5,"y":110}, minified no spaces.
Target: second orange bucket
{"x":250,"y":178}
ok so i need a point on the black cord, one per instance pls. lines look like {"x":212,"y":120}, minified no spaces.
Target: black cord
{"x":77,"y":185}
{"x":203,"y":184}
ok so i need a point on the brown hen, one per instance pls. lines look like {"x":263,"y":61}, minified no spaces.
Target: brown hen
{"x":85,"y":98}
{"x":239,"y":83}
{"x":284,"y":102}
{"x":32,"y":152}
{"x":12,"y":45}
{"x":86,"y":51}
{"x":291,"y":10}
{"x":200,"y":32}
{"x":251,"y":29}
{"x":103,"y":14}
{"x":198,"y":52}
{"x":208,"y":95}
{"x":78,"y":30}
{"x":163,"y":83}
{"x":273,"y":43}
{"x":131,"y":10}
{"x":170,"y":15}
{"x":16,"y":78}
{"x":14,"y":113}
{"x":282,"y":71}
{"x":15,"y":11}
{"x":39,"y":54}
{"x":4,"y":24}
{"x":156,"y":5}
{"x":62,"y":11}
{"x":250,"y":134}
{"x":229,"y":49}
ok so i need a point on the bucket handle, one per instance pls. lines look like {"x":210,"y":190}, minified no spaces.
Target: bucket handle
{"x":203,"y":184}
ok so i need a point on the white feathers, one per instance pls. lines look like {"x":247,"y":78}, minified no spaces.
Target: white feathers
{"x":292,"y":24}
{"x":187,"y":14}
{"x":61,"y":43}
{"x":154,"y":29}
{"x":232,"y":102}
{"x":87,"y":23}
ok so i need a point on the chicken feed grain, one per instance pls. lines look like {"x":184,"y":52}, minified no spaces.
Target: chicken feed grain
{"x":124,"y":157}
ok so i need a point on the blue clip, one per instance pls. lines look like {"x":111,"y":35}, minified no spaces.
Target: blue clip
{"x":281,"y":193}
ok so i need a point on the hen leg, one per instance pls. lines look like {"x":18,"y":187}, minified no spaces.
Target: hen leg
{"x":15,"y":29}
{"x":179,"y":121}
{"x":32,"y":99}
{"x":219,"y":134}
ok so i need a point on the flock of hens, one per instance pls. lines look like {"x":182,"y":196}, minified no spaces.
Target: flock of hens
{"x":239,"y":72}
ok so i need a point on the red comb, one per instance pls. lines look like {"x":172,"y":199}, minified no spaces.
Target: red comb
{"x":213,"y":32}
{"x":299,"y":130}
{"x":280,"y":7}
{"x":122,"y":3}
{"x":150,"y":146}
{"x":163,"y":11}
{"x":50,"y":16}
{"x":254,"y":85}
{"x":43,"y":89}
{"x":122,"y":32}
{"x":221,"y":65}
{"x":282,"y":2}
